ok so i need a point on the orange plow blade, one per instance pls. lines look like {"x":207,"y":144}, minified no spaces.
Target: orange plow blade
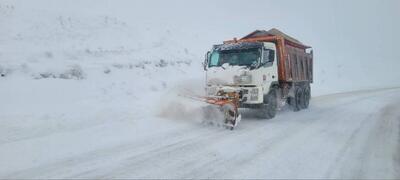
{"x":222,"y":108}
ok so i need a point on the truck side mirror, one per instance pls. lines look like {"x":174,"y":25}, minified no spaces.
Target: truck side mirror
{"x":205,"y":63}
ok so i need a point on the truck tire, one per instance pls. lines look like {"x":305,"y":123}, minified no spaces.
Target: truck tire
{"x":268,"y":108}
{"x":306,"y":96}
{"x":303,"y":98}
{"x":296,"y":101}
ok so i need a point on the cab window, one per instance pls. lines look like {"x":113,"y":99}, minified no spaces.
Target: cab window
{"x":214,"y":59}
{"x":268,"y":57}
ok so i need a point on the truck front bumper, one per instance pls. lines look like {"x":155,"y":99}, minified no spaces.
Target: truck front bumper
{"x":248,"y":94}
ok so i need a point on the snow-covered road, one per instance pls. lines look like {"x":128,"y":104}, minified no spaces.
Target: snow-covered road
{"x":348,"y":135}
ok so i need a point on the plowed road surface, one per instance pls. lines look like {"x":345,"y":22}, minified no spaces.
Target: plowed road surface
{"x":347,"y":135}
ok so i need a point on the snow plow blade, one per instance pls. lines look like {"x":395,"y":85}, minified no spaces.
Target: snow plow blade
{"x":222,"y":108}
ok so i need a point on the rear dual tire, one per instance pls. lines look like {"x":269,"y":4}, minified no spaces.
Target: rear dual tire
{"x":301,"y":99}
{"x":306,"y":98}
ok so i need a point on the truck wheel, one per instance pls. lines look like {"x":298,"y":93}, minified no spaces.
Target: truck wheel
{"x":296,"y":101}
{"x":268,"y":108}
{"x":307,"y":96}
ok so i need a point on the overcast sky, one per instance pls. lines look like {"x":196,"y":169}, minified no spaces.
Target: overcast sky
{"x":355,"y":42}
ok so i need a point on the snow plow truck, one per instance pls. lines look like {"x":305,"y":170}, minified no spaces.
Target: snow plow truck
{"x":264,"y":70}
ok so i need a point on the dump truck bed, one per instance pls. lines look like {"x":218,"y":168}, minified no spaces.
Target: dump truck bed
{"x":294,"y":63}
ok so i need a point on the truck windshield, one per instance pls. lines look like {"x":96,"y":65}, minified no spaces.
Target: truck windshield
{"x":244,"y":57}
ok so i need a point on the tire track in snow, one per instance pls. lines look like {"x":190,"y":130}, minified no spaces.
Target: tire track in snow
{"x":193,"y":151}
{"x":118,"y":152}
{"x":329,"y":112}
{"x":357,"y":155}
{"x":246,"y":135}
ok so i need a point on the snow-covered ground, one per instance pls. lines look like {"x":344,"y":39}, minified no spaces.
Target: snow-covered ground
{"x":348,"y":135}
{"x":90,"y":90}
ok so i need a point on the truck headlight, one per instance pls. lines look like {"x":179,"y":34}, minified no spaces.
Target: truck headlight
{"x":242,"y":79}
{"x":254,"y":94}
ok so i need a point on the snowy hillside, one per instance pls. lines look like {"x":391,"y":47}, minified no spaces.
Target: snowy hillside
{"x":46,"y":35}
{"x":38,"y":40}
{"x":54,"y":56}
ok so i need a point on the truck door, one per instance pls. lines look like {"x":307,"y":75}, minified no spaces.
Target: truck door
{"x":269,"y":67}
